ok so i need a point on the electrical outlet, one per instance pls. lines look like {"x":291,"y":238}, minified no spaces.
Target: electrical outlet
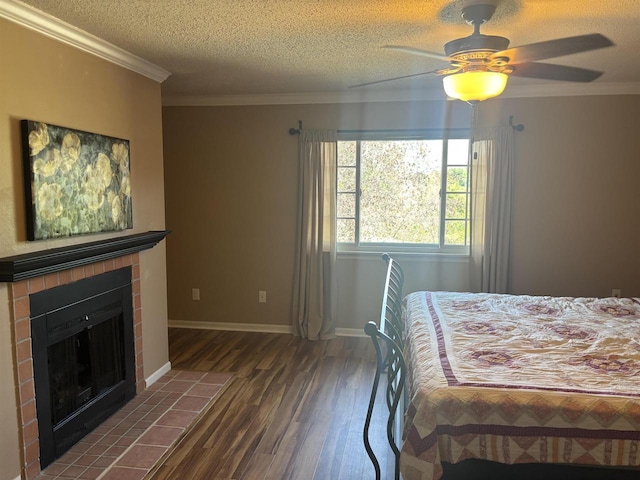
{"x":195,"y":294}
{"x":262,"y":296}
{"x":616,"y":293}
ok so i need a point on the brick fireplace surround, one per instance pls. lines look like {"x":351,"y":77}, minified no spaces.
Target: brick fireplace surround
{"x":19,"y":297}
{"x":19,"y":291}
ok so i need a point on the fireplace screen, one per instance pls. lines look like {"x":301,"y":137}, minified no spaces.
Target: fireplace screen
{"x":84,"y":366}
{"x":83,"y":357}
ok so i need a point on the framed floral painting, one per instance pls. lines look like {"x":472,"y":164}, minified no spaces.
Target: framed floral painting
{"x":75,"y":182}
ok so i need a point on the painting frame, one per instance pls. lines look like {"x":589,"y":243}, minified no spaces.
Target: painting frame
{"x":76,"y":182}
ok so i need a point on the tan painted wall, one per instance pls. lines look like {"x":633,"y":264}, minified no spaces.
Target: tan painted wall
{"x":42,"y":79}
{"x":231,"y":203}
{"x":231,"y":189}
{"x":577,"y":194}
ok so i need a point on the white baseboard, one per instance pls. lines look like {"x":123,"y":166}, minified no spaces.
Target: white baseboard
{"x":153,"y":378}
{"x":255,"y":327}
{"x":231,"y":327}
{"x":350,"y":332}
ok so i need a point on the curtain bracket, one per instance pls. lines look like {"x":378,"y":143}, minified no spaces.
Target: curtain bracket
{"x":293,"y":131}
{"x":519,"y":127}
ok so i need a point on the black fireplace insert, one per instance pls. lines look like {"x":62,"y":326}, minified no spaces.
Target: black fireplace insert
{"x":83,"y":357}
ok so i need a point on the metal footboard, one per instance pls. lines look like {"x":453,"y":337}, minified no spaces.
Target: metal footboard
{"x":389,"y":359}
{"x":388,"y":342}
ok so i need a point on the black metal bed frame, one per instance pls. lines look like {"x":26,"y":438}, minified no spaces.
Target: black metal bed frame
{"x":388,"y":341}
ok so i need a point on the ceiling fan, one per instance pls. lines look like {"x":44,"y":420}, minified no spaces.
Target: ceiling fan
{"x":479,"y":65}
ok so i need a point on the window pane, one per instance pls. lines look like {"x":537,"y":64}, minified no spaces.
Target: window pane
{"x":454,"y":232}
{"x":457,"y":179}
{"x":458,"y":152}
{"x":456,"y":205}
{"x":400,"y":183}
{"x":346,"y":153}
{"x":346,"y":230}
{"x":346,"y":205}
{"x":346,"y":179}
{"x":399,"y":199}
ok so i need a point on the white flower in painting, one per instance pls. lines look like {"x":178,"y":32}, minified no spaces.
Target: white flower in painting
{"x":48,"y":164}
{"x":120,"y":155}
{"x":116,"y":207}
{"x":70,"y":151}
{"x":94,"y":188}
{"x":93,"y":201}
{"x":50,"y":201}
{"x":125,"y":186}
{"x":38,"y":138}
{"x":103,"y":171}
{"x":96,"y":181}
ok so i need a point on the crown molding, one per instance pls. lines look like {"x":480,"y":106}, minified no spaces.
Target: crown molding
{"x":349,"y":96}
{"x":52,"y":27}
{"x":550,"y":89}
{"x":567,"y":89}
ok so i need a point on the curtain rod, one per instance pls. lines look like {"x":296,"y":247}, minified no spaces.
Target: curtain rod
{"x":296,"y":131}
{"x":408,"y":130}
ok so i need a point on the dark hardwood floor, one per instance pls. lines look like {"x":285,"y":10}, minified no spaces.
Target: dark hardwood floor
{"x":294,"y":409}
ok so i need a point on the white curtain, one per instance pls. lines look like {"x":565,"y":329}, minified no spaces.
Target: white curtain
{"x":492,"y":166}
{"x":314,"y":295}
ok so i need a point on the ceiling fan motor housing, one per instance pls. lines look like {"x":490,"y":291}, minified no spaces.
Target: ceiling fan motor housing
{"x":477,"y":43}
{"x":476,"y":48}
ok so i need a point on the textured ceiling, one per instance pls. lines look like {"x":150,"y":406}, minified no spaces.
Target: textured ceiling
{"x":255,"y":47}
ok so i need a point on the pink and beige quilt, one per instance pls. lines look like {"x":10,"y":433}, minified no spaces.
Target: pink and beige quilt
{"x":520,"y":379}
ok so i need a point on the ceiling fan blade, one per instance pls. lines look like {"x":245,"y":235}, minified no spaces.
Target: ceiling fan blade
{"x":554,"y":48}
{"x":555,"y":72}
{"x":391,"y":79}
{"x":418,"y":51}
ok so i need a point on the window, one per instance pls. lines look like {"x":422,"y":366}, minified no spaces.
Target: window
{"x":403,"y":191}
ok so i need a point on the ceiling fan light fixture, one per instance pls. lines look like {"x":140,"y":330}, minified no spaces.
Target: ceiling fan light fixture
{"x":474,"y":86}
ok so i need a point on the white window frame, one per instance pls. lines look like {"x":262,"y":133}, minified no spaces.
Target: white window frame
{"x":408,"y":248}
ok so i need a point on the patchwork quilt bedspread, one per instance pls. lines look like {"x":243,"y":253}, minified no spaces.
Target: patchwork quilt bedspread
{"x":518,"y":379}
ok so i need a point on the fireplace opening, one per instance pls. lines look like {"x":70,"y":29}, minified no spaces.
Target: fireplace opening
{"x":84,"y":366}
{"x":83,"y":357}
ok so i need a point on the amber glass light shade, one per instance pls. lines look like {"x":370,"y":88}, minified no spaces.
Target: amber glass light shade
{"x":474,"y":86}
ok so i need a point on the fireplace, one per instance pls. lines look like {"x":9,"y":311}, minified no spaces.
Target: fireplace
{"x":31,"y":273}
{"x":83,"y":357}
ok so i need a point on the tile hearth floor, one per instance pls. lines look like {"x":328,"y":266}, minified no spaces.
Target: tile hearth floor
{"x":128,"y":444}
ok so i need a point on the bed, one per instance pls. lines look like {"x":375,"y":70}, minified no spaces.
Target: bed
{"x":516,"y":380}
